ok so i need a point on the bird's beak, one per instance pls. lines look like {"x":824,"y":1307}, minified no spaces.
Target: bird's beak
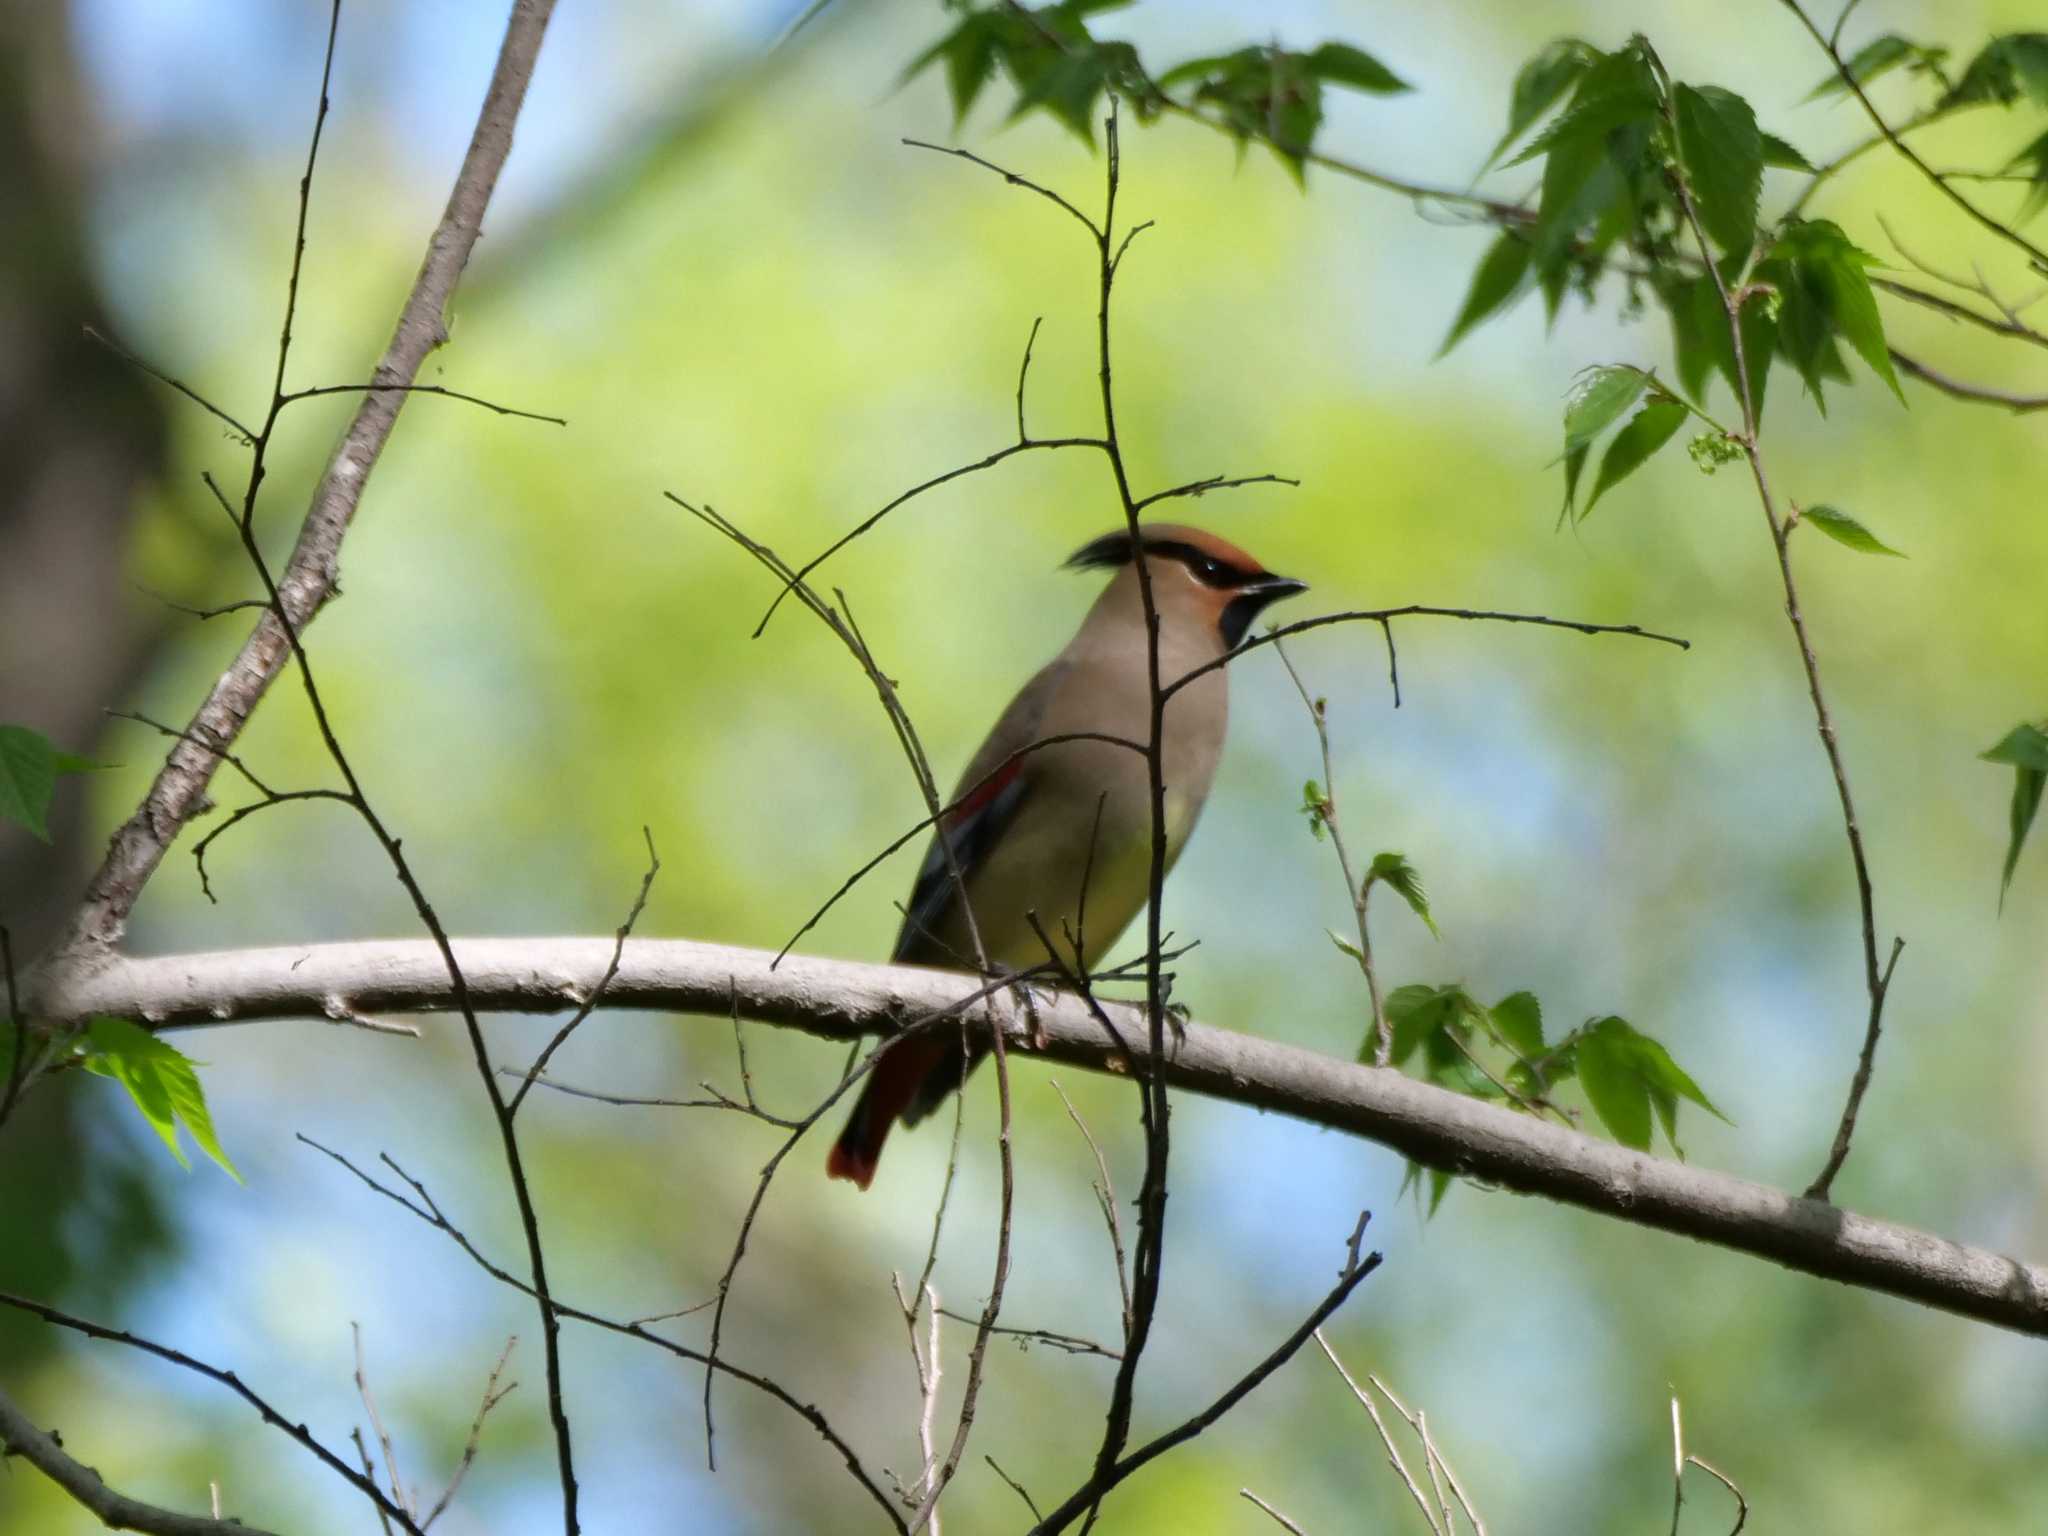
{"x":1270,"y":589}
{"x":1250,"y":601}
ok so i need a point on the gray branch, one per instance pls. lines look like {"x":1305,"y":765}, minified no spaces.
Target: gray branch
{"x":841,"y":1000}
{"x":116,"y":1511}
{"x":309,"y":578}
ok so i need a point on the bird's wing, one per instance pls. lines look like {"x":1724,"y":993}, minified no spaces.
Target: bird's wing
{"x":996,"y":784}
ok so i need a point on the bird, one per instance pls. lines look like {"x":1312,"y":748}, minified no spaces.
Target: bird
{"x":1027,"y":828}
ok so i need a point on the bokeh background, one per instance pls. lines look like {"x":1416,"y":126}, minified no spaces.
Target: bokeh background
{"x":713,"y":257}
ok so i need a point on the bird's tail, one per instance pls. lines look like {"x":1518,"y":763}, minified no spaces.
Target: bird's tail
{"x":892,"y":1084}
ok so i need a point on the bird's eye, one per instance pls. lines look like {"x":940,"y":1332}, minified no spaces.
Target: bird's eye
{"x":1212,"y":572}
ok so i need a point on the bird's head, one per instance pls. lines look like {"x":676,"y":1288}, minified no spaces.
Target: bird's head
{"x":1197,"y":579}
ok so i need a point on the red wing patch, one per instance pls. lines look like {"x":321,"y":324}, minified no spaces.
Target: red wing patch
{"x":979,"y":798}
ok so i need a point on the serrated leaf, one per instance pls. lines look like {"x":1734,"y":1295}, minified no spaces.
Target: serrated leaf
{"x":2005,"y":69}
{"x":161,"y":1081}
{"x":1830,"y":272}
{"x":1614,"y":1087}
{"x":1781,"y":155}
{"x":1627,"y":1076}
{"x":1598,"y":399}
{"x":1518,"y":1020}
{"x":1722,"y":153}
{"x":1879,"y":56}
{"x":1550,"y":72}
{"x":1496,"y":283}
{"x":1417,"y":1011}
{"x":1647,"y":431}
{"x":1219,"y":64}
{"x":1343,"y":64}
{"x":1844,"y":529}
{"x":1616,"y":91}
{"x":1395,"y":872}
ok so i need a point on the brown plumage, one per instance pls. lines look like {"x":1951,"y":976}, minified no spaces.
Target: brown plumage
{"x":1030,"y":823}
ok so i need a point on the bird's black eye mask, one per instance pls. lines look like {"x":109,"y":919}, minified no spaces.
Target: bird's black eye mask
{"x":1114,"y":549}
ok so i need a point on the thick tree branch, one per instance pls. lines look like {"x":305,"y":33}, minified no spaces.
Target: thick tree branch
{"x":842,"y":1000}
{"x":116,"y":1511}
{"x":308,"y":580}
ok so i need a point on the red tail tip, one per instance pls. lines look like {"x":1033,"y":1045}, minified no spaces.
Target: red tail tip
{"x":845,"y":1162}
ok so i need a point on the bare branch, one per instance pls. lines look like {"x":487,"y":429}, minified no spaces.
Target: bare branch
{"x":308,"y":579}
{"x":1103,"y":1480}
{"x":844,"y":1000}
{"x":117,"y":1512}
{"x":367,"y":1487}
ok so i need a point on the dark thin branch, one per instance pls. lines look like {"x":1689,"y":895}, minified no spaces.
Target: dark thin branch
{"x":625,"y":932}
{"x":1384,"y":617}
{"x":416,"y":389}
{"x":1091,"y":1493}
{"x":1962,"y":389}
{"x":1995,"y":226}
{"x":241,"y":430}
{"x":1200,"y":488}
{"x":965,"y":796}
{"x":1732,"y":300}
{"x":1094,"y":231}
{"x":1066,"y":1343}
{"x":1015,"y":1487}
{"x":367,"y":1487}
{"x":423,"y":1206}
{"x":19,"y":1436}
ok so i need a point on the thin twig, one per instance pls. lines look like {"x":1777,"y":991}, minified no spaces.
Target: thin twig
{"x":1394,"y":1457}
{"x":1278,"y":1519}
{"x":367,"y":1487}
{"x":2036,"y":254}
{"x":422,"y":1205}
{"x":625,"y":931}
{"x":1105,"y":1197}
{"x":1091,"y":1493}
{"x":1875,"y":982}
{"x":1357,"y":892}
{"x":493,"y":1395}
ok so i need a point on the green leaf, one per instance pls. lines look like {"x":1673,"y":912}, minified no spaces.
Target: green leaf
{"x":1781,"y":155}
{"x":2033,"y":160}
{"x":1417,"y":1011}
{"x":1518,"y":1020}
{"x":1844,"y":529}
{"x":1598,"y":399}
{"x":1722,"y":153}
{"x":1647,"y":431}
{"x":161,"y":1081}
{"x":1876,"y":57}
{"x":2007,"y":68}
{"x":1394,"y":871}
{"x":2025,"y":747}
{"x":28,"y":778}
{"x":1627,"y":1075}
{"x":1551,"y":71}
{"x":1830,"y":273}
{"x":1346,"y":945}
{"x":1343,"y":64}
{"x":1614,"y":1087}
{"x":1617,"y":91}
{"x":1497,"y":283}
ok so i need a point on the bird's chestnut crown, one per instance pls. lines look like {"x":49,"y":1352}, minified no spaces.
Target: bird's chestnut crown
{"x":1243,"y":587}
